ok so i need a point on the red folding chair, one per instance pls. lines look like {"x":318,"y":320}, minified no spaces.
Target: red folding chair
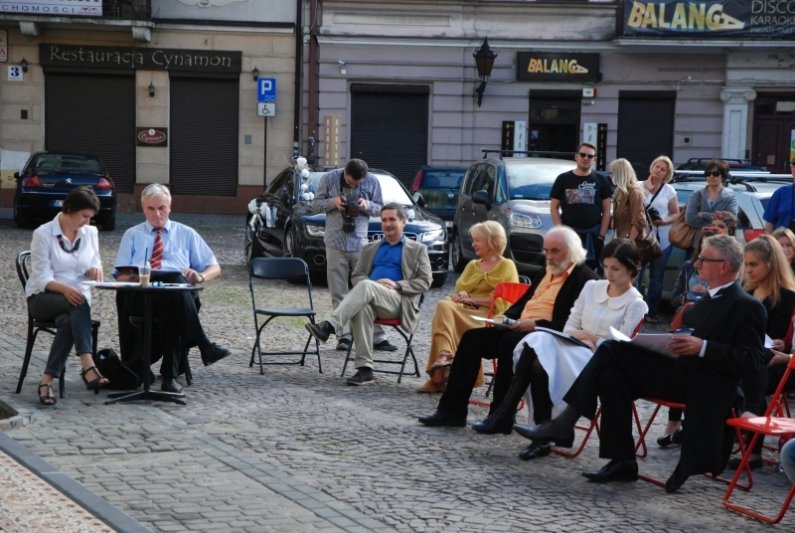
{"x":761,"y":426}
{"x":508,"y":291}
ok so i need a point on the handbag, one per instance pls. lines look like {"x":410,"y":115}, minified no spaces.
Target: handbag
{"x":120,"y":376}
{"x":647,"y":245}
{"x":681,"y":233}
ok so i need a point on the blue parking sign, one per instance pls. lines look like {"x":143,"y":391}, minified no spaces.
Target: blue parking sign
{"x":266,"y":89}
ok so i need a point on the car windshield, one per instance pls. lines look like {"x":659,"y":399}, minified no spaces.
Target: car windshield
{"x":442,"y":178}
{"x":65,"y":163}
{"x":391,"y":189}
{"x":533,"y":182}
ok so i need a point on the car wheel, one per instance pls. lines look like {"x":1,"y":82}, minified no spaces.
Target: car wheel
{"x":109,"y":223}
{"x":438,"y":280}
{"x":457,"y":256}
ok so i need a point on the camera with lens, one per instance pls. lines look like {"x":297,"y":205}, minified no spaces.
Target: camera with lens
{"x":350,"y":212}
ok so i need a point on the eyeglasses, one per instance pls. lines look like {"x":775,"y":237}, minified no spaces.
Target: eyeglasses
{"x":714,"y":173}
{"x":74,"y":248}
{"x":586,"y":156}
{"x":708,"y":260}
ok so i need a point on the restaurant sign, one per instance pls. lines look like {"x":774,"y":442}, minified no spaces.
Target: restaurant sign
{"x":151,"y":136}
{"x":81,"y":56}
{"x":770,"y":19}
{"x":80,"y":8}
{"x":538,"y":66}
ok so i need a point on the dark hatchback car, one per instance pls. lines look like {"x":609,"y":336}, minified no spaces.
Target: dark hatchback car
{"x":439,"y":188}
{"x":48,"y":177}
{"x":282,"y":223}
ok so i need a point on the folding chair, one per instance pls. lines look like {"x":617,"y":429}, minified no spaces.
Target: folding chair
{"x":407,"y":336}
{"x":286,"y":269}
{"x":510,"y":292}
{"x":35,"y":326}
{"x":593,"y":424}
{"x":761,"y":426}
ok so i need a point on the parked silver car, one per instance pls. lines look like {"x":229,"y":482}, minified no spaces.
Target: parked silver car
{"x":513,"y":191}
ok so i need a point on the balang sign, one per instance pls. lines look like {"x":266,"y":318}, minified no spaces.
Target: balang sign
{"x":538,"y":66}
{"x":770,"y":19}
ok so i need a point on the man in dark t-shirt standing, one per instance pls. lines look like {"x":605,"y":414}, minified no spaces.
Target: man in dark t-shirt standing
{"x":581,"y":200}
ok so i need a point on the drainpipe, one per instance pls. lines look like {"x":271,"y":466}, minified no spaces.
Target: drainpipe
{"x":312,"y":82}
{"x":299,"y":63}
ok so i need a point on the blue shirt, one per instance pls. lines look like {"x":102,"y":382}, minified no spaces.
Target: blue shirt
{"x":779,"y":211}
{"x":387,"y":261}
{"x":183,"y":247}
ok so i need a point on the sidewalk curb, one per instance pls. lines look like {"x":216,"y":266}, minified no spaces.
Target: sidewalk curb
{"x":70,"y":488}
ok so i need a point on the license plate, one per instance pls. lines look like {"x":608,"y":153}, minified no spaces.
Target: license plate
{"x":57,"y":203}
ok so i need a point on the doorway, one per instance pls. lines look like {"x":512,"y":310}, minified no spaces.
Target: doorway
{"x":774,"y":131}
{"x":554,"y":123}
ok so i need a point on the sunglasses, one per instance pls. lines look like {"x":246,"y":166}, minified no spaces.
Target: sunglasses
{"x":586,"y":156}
{"x":714,"y":173}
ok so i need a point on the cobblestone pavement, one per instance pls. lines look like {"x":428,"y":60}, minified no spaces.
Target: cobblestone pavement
{"x":296,"y":450}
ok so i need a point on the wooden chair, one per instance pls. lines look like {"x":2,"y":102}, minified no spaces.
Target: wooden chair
{"x":35,"y":326}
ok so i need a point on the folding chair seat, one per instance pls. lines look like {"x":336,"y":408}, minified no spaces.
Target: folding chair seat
{"x":395,"y":324}
{"x":286,"y":269}
{"x":510,"y":292}
{"x":35,"y":326}
{"x":761,"y":426}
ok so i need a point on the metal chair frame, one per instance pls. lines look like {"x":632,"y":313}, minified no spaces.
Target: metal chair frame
{"x":286,"y":269}
{"x":35,"y":326}
{"x":395,"y":324}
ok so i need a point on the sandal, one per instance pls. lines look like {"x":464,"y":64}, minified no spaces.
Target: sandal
{"x":444,"y":359}
{"x":48,"y":398}
{"x":97,"y":382}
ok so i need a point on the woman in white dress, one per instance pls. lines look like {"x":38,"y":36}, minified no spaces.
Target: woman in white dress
{"x":550,"y":361}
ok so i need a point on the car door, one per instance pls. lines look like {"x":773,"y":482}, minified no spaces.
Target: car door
{"x":466,"y":214}
{"x":280,"y":197}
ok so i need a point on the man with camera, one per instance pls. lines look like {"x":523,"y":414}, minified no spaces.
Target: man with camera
{"x":349,"y":197}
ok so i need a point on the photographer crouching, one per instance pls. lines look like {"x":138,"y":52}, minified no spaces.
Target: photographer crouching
{"x":349,"y":197}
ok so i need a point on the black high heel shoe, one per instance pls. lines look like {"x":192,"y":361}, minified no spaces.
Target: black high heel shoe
{"x":96,"y":383}
{"x":674,"y":438}
{"x":48,"y":398}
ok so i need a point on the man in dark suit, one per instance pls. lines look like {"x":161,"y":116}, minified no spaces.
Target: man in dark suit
{"x":726,"y":343}
{"x":547,"y":304}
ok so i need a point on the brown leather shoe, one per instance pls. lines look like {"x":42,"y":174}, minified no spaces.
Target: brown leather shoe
{"x":431,"y":387}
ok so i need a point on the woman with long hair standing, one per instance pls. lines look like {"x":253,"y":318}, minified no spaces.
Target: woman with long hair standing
{"x":629,"y":218}
{"x":663,"y":207}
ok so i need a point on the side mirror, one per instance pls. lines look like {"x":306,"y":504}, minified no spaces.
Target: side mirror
{"x":16,"y":176}
{"x":481,"y":197}
{"x":418,"y":199}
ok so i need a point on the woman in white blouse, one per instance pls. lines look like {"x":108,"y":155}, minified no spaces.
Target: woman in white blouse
{"x":64,"y":254}
{"x":550,"y":363}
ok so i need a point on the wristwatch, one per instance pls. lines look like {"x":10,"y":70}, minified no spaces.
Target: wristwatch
{"x":201,"y":277}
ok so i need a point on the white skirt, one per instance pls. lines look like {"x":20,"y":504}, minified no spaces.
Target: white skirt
{"x":563,"y":361}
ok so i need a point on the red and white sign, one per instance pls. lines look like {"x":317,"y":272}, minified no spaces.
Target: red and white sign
{"x":151,"y":136}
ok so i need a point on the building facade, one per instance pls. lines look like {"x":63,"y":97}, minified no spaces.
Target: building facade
{"x":162,"y":91}
{"x":396,"y":84}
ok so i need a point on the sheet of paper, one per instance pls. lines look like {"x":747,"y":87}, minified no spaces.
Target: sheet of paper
{"x":656,"y":342}
{"x":497,"y":323}
{"x":562,"y":335}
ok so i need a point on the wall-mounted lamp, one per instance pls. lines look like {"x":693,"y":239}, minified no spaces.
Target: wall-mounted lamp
{"x":343,"y":67}
{"x":151,"y":89}
{"x":24,"y":65}
{"x":484,"y":60}
{"x":255,"y":73}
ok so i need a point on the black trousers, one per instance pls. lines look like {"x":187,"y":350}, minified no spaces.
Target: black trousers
{"x":619,"y":373}
{"x":475,"y":345}
{"x":176,"y":328}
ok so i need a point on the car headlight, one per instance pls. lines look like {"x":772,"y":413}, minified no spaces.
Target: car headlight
{"x":519,"y":220}
{"x":432,"y":236}
{"x":316,"y":231}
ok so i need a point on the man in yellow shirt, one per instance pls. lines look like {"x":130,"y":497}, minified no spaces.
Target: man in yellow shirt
{"x":547,"y":305}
